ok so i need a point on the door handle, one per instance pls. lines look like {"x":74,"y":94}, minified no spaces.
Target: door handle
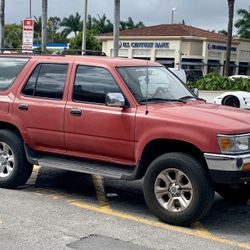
{"x":76,"y":112}
{"x":23,"y":107}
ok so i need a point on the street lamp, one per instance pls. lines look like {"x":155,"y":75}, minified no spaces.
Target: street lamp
{"x":84,"y":29}
{"x":173,"y":10}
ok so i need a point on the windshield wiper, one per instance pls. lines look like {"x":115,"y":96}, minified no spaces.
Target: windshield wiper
{"x":162,"y":100}
{"x":191,"y":97}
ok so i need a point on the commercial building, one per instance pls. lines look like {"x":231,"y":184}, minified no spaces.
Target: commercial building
{"x":176,"y":45}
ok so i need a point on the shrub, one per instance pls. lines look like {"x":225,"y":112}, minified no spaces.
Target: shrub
{"x":217,"y":82}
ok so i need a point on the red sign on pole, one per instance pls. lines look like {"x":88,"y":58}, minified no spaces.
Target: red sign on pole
{"x":28,"y":34}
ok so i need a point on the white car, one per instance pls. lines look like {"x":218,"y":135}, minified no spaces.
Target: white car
{"x":238,"y":99}
{"x":233,"y":77}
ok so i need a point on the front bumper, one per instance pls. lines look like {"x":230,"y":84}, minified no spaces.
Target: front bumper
{"x":228,"y":169}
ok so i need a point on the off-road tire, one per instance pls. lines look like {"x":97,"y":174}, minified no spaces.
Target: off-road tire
{"x":22,"y":169}
{"x":197,"y":175}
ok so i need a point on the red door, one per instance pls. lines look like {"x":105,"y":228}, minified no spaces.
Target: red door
{"x":93,"y":130}
{"x":40,"y":107}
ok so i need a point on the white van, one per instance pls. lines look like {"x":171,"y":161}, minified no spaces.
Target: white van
{"x":180,"y":73}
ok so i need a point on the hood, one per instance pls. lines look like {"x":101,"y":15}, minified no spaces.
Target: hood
{"x":223,"y":119}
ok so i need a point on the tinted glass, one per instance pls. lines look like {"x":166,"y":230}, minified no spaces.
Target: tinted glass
{"x":51,"y":81}
{"x":9,"y":69}
{"x":47,"y":80}
{"x":92,"y":84}
{"x":31,"y":84}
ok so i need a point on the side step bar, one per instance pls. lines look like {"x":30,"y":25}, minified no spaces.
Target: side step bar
{"x":88,"y":167}
{"x":116,"y":171}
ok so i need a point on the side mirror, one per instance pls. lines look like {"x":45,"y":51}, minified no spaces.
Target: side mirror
{"x":196,"y":92}
{"x":115,"y":100}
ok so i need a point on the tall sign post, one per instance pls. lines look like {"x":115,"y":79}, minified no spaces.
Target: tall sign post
{"x":28,"y":34}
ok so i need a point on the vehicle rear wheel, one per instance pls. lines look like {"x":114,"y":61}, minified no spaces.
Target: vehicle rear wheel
{"x":177,"y":189}
{"x":232,"y":101}
{"x":14,"y":167}
{"x":233,"y":193}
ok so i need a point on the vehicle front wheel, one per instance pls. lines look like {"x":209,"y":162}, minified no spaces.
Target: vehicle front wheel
{"x":233,"y":193}
{"x":177,"y":189}
{"x":14,"y":167}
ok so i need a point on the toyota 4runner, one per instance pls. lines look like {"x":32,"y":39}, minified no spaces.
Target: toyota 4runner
{"x":124,"y":119}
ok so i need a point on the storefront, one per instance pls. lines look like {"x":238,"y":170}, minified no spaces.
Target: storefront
{"x":175,"y":45}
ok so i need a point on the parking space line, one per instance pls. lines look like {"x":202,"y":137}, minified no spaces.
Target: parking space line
{"x":98,"y":182}
{"x":198,"y":232}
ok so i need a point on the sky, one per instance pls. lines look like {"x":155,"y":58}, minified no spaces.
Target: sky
{"x":208,"y":15}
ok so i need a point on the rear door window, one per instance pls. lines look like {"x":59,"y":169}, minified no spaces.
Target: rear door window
{"x":9,"y":69}
{"x":47,"y":81}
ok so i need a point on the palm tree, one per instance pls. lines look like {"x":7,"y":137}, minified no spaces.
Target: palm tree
{"x":116,"y":27}
{"x":129,"y":24}
{"x":53,"y":26}
{"x":243,"y":24}
{"x":44,"y":24}
{"x":102,"y":24}
{"x":71,"y":24}
{"x":229,"y":34}
{"x":37,"y":28}
{"x":2,"y":8}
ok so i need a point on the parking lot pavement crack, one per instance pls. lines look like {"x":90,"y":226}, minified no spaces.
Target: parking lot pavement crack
{"x":100,"y":191}
{"x":70,"y":235}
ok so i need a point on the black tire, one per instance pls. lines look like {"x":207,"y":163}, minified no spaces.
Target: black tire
{"x":201,"y":199}
{"x":20,"y":168}
{"x":233,"y":193}
{"x":231,"y":100}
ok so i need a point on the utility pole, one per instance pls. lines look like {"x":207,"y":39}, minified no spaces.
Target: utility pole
{"x":2,"y":16}
{"x":116,"y":28}
{"x":84,"y":28}
{"x":44,"y":24}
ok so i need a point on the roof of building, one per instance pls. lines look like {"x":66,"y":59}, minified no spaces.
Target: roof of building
{"x":170,"y":30}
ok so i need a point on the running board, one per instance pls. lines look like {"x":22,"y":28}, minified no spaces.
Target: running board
{"x":89,"y":167}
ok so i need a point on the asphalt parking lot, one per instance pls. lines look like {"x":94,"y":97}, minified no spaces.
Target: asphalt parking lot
{"x":58,"y":209}
{"x":66,"y":210}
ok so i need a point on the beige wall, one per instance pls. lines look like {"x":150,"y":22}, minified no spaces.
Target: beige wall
{"x":190,"y":47}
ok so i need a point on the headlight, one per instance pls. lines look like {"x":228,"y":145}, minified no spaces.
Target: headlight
{"x":234,"y":144}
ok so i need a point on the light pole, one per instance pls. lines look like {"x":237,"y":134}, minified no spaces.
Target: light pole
{"x":30,"y":9}
{"x":173,"y":10}
{"x":84,"y":28}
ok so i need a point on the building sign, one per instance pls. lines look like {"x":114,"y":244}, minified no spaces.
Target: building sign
{"x":28,"y":34}
{"x":220,"y":47}
{"x":144,"y":45}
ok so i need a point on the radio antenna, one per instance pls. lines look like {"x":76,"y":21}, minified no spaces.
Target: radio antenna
{"x":147,"y":82}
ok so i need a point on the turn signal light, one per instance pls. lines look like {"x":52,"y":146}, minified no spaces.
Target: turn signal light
{"x":246,"y":167}
{"x":225,"y":143}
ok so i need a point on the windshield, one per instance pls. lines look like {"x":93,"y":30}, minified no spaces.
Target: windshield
{"x":162,"y":84}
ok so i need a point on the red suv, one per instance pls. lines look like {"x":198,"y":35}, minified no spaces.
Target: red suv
{"x":125,"y":119}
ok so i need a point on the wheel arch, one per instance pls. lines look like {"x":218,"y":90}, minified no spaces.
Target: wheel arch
{"x":10,"y":126}
{"x":228,"y":97}
{"x":158,"y":147}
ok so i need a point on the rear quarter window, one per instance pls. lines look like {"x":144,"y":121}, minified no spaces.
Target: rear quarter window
{"x":9,"y":69}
